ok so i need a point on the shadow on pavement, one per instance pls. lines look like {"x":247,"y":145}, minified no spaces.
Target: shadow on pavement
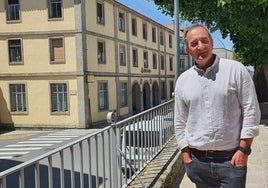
{"x":13,"y":181}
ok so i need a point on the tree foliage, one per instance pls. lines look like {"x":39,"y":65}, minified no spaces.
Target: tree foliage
{"x":245,"y":21}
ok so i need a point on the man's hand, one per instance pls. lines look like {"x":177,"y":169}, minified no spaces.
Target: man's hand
{"x":239,"y":159}
{"x":186,"y":156}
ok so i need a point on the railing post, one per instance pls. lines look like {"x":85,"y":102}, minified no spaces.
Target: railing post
{"x":114,"y":157}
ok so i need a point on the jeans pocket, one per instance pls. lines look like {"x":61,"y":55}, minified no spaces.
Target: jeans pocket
{"x":237,"y":167}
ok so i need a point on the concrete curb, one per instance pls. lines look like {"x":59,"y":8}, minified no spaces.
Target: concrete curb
{"x":165,"y":171}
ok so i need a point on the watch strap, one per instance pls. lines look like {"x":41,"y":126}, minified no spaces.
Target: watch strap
{"x":245,"y":150}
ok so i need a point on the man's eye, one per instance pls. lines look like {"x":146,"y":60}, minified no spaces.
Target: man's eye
{"x":205,"y":41}
{"x":194,"y":44}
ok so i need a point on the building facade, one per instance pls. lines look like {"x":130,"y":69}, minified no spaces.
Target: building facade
{"x":66,"y":64}
{"x":224,"y":53}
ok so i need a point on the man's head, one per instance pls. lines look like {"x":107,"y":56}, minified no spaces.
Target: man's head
{"x":199,"y":45}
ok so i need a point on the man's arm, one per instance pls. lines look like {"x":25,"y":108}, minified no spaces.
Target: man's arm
{"x":240,"y":158}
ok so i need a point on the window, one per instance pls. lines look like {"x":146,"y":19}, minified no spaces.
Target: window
{"x":123,"y":94}
{"x":101,"y":52}
{"x":154,"y":61}
{"x":135,"y":57}
{"x":154,"y":34}
{"x":182,"y":64}
{"x":144,"y":31}
{"x":55,"y":8}
{"x":171,"y":87}
{"x":170,"y":40}
{"x":161,"y":38}
{"x":100,"y":13}
{"x":17,"y":98}
{"x":162,"y":62}
{"x":13,"y":10}
{"x":59,"y":100}
{"x":15,"y":51}
{"x":134,"y":26}
{"x":57,"y":50}
{"x":103,"y":95}
{"x":145,"y":59}
{"x":121,"y":22}
{"x":163,"y":90}
{"x":122,"y":55}
{"x":171,"y":63}
{"x":182,"y":48}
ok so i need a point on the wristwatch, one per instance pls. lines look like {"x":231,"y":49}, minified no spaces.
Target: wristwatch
{"x":245,"y":150}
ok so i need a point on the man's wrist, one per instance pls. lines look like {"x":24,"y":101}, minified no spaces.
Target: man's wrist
{"x":245,"y":150}
{"x":186,"y":149}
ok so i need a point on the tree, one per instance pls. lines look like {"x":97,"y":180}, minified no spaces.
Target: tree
{"x":245,"y":21}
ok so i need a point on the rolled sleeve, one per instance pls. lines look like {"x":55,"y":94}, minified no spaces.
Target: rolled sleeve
{"x":180,"y":117}
{"x":250,"y":107}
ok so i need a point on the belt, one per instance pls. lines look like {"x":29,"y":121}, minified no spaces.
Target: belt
{"x":213,"y":154}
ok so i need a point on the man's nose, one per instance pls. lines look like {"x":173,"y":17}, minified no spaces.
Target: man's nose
{"x":200,"y":44}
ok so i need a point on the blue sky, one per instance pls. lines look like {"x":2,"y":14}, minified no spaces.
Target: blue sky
{"x":149,"y":9}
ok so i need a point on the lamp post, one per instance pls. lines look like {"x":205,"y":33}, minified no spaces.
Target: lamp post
{"x":177,"y":39}
{"x":222,"y":45}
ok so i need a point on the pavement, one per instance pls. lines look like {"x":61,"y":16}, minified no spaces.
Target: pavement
{"x":22,"y":145}
{"x":257,"y":163}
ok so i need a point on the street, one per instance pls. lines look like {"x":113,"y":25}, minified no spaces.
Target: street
{"x":20,"y":146}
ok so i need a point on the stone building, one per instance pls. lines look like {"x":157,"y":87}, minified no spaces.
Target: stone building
{"x":66,"y":64}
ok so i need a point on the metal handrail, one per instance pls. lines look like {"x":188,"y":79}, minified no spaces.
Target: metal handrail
{"x":95,"y":147}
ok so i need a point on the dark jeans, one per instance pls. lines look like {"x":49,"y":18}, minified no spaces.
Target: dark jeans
{"x":208,"y":173}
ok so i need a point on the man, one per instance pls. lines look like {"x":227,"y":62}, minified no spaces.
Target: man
{"x":216,"y":115}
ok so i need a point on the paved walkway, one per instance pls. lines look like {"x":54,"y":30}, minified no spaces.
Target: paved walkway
{"x":257,"y":176}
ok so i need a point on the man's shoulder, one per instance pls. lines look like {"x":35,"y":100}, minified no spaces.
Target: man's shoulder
{"x":231,"y":64}
{"x":186,"y":77}
{"x":187,"y":73}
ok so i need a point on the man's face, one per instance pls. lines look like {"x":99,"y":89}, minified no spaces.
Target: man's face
{"x":200,"y":47}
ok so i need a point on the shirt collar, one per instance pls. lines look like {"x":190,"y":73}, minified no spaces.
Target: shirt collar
{"x":215,"y":62}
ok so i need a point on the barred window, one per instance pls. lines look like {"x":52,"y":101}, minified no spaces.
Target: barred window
{"x":13,"y":10}
{"x":123,"y":96}
{"x":144,"y":31}
{"x":170,"y":63}
{"x":134,"y":26}
{"x":103,"y":95}
{"x":15,"y":52}
{"x":122,"y":55}
{"x":145,"y":59}
{"x":170,"y":40}
{"x":101,"y":52}
{"x":55,"y":8}
{"x":135,"y":57}
{"x":161,"y":37}
{"x":154,"y":34}
{"x":59,"y":99}
{"x":162,"y":62}
{"x":121,"y":21}
{"x":17,"y":98}
{"x":154,"y":61}
{"x":100,"y":13}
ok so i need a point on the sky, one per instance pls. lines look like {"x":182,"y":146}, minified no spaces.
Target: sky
{"x":149,"y":9}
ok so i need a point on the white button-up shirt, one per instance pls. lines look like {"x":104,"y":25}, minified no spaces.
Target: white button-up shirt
{"x":215,"y":108}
